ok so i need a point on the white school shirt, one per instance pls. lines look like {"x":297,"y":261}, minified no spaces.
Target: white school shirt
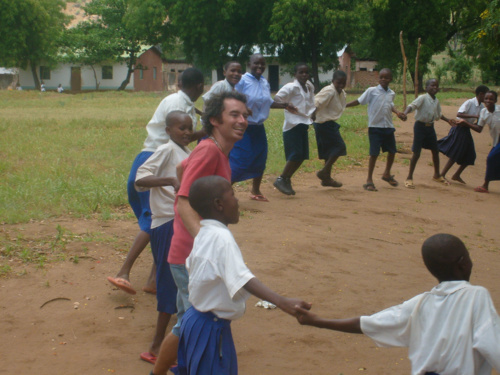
{"x":217,"y":272}
{"x":453,"y":329}
{"x":330,"y":104}
{"x":157,"y":135}
{"x":293,"y":93}
{"x":380,"y":104}
{"x":218,"y":88}
{"x":162,"y":163}
{"x":426,"y":108}
{"x":471,"y":107}
{"x":493,"y":121}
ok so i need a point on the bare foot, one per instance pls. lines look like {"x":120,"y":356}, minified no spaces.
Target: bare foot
{"x":331,"y":182}
{"x":148,"y":289}
{"x":458,"y":178}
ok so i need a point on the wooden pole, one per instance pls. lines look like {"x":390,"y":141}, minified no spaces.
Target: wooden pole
{"x":404,"y":68}
{"x":416,"y":68}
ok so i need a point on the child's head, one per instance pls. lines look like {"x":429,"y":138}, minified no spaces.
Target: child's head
{"x":481,"y":91}
{"x":301,"y":73}
{"x":192,"y":83}
{"x":339,"y":80}
{"x":218,"y":106}
{"x":432,"y":86}
{"x":179,"y":127}
{"x":384,"y":78}
{"x":446,"y":258}
{"x":257,"y":65}
{"x":212,"y":197}
{"x":232,"y":72}
{"x":490,"y":99}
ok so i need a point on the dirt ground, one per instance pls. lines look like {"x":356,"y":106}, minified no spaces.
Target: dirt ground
{"x":348,"y":251}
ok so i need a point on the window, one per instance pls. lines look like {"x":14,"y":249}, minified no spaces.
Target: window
{"x":107,"y":72}
{"x":44,"y":72}
{"x":154,"y":73}
{"x":141,"y":73}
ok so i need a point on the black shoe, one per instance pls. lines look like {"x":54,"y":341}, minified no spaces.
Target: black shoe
{"x":284,"y":185}
{"x":289,"y":182}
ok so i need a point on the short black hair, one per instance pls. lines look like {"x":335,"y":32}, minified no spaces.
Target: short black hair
{"x":482,"y":89}
{"x":204,"y":191}
{"x":441,"y":252}
{"x":297,"y":66}
{"x":338,"y":74}
{"x":494,"y":93}
{"x":256,"y":56}
{"x":191,"y":77}
{"x":215,"y":106}
{"x":226,"y":65}
{"x":428,"y":82}
{"x":385,"y":70}
{"x":173,"y":116}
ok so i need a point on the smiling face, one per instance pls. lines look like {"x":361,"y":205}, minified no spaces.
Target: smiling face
{"x":302,"y":74}
{"x":257,"y":65}
{"x":384,"y":78}
{"x":181,"y":130}
{"x":432,"y":87}
{"x":490,"y":101}
{"x":233,"y":121}
{"x":339,"y":84}
{"x":233,"y":73}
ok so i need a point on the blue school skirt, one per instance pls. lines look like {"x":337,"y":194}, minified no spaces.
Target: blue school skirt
{"x":249,"y":155}
{"x":458,"y":145}
{"x":139,"y":201}
{"x":493,"y":164}
{"x":206,"y":345}
{"x":329,"y":140}
{"x":166,"y":290}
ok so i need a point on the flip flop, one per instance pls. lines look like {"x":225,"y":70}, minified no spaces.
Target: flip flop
{"x":441,"y":180}
{"x":258,"y":198}
{"x":122,"y":284}
{"x":409,"y":184}
{"x":481,"y":189}
{"x":331,"y":182}
{"x":148,"y":357}
{"x":369,"y":187}
{"x":390,"y":180}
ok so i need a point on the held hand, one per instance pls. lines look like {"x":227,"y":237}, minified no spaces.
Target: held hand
{"x":453,"y":122}
{"x":402,"y":116}
{"x":292,"y":109}
{"x":176,"y":184}
{"x":289,"y":305}
{"x":305,"y":317}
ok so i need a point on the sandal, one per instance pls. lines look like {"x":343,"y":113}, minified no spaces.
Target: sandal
{"x":409,"y":184}
{"x":369,"y":187}
{"x":390,"y":180}
{"x":441,"y":180}
{"x":481,"y":189}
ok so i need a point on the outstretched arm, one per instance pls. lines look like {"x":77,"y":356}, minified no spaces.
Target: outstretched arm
{"x":305,"y":317}
{"x":285,"y":105}
{"x":288,"y":305}
{"x":452,"y":122}
{"x":354,"y":103}
{"x":401,"y":115}
{"x":467,"y":124}
{"x":153,"y":181}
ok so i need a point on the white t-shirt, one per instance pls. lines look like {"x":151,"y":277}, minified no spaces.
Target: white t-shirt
{"x":493,"y":121}
{"x":157,"y":135}
{"x":453,"y":329}
{"x":426,"y":108}
{"x":162,"y":163}
{"x":380,"y":104}
{"x":471,"y":107}
{"x":217,"y":272}
{"x":293,"y":93}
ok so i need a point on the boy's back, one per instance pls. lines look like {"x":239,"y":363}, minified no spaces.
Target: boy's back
{"x":453,"y":329}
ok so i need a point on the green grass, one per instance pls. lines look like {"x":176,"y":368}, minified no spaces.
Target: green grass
{"x":71,"y":154}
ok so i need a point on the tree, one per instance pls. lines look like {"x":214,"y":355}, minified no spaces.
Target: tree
{"x":30,"y":32}
{"x":313,"y":31}
{"x":108,"y":26}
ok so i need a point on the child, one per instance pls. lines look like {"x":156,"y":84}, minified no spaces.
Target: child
{"x":219,"y":284}
{"x":192,"y":88}
{"x":232,"y":74}
{"x":42,"y":87}
{"x":158,"y":173}
{"x":381,"y":130}
{"x":60,"y":89}
{"x":458,"y":145}
{"x":249,"y":156}
{"x":428,"y":110}
{"x":491,"y":116}
{"x":330,"y":102}
{"x":453,"y":329}
{"x":300,"y":93}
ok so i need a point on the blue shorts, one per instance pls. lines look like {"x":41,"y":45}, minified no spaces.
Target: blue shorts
{"x":139,"y":201}
{"x":249,"y":155}
{"x":493,"y":164}
{"x":424,"y":137}
{"x":181,"y":278}
{"x":166,"y":291}
{"x":382,"y":138}
{"x":329,"y":141}
{"x":206,"y":345}
{"x":296,"y":142}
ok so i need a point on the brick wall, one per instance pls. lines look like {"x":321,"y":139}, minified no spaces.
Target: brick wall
{"x":149,"y":60}
{"x":364,"y":79}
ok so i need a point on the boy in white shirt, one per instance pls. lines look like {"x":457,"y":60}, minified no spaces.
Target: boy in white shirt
{"x":219,"y":284}
{"x":158,"y":174}
{"x":453,"y":329}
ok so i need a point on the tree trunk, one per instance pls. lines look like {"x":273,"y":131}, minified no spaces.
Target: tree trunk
{"x":420,"y":79}
{"x":35,"y":76}
{"x":97,"y":83}
{"x":130,"y":64}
